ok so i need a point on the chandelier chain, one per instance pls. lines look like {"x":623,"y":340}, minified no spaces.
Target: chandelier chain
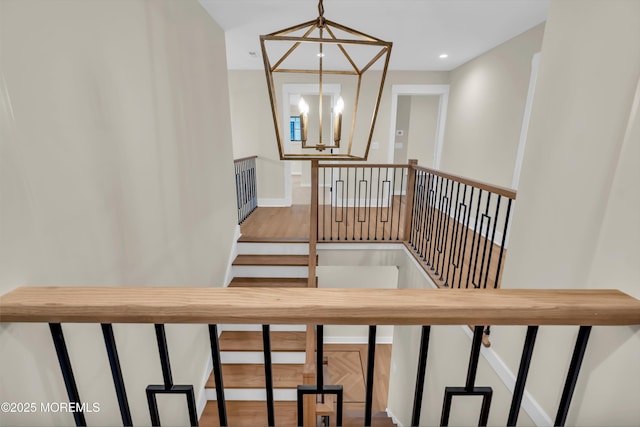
{"x":320,"y":9}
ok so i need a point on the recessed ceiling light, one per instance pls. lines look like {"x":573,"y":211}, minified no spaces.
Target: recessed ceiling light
{"x":444,"y":56}
{"x":320,"y":55}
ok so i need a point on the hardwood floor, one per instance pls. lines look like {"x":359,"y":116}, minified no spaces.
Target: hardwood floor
{"x":273,"y":224}
{"x":347,"y":366}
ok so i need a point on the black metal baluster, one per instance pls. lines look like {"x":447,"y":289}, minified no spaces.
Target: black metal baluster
{"x":431,"y":229}
{"x":386,"y":209}
{"x":437,"y":248}
{"x":466,"y":234}
{"x":377,"y":206}
{"x":400,"y":216}
{"x":458,"y":264}
{"x":429,"y":207}
{"x":355,"y":201}
{"x":415,"y":214}
{"x":369,"y":222}
{"x":217,"y":375}
{"x":161,"y":338}
{"x":447,"y":232}
{"x":319,"y":356}
{"x":493,"y":238}
{"x":425,"y":217}
{"x":268,"y":374}
{"x":473,"y":263}
{"x":392,"y":200}
{"x":474,"y":358}
{"x":331,"y":203}
{"x":454,"y":238}
{"x":346,"y":216}
{"x":486,"y":216}
{"x":116,"y":373}
{"x":371,"y":362}
{"x":504,"y":240}
{"x":470,"y":389}
{"x":422,"y":371}
{"x":572,"y":375}
{"x":67,"y":371}
{"x":523,"y":371}
{"x":168,"y":387}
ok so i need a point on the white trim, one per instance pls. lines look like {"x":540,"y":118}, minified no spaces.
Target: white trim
{"x":270,"y":271}
{"x":357,"y":340}
{"x":257,"y":357}
{"x":288,"y":89}
{"x":535,"y":66}
{"x":529,"y":404}
{"x":443,"y":92}
{"x":202,"y":397}
{"x":259,"y":394}
{"x":232,"y":256}
{"x":397,"y":245}
{"x":274,"y":203}
{"x":269,"y":248}
{"x":395,"y":419}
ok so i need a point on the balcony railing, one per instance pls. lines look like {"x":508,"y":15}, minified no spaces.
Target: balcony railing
{"x":246,"y":189}
{"x":265,"y":306}
{"x":455,"y":227}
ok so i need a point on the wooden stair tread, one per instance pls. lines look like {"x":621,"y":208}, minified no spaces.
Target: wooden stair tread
{"x":250,"y":414}
{"x":252,"y":341}
{"x":269,"y":282}
{"x":252,"y":376}
{"x":275,"y":260}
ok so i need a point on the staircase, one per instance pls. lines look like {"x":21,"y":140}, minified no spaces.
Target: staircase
{"x":261,"y":263}
{"x":268,"y":263}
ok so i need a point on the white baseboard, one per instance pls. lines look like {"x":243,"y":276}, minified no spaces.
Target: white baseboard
{"x":529,"y":404}
{"x":273,"y":203}
{"x":395,"y":419}
{"x":253,"y":394}
{"x":232,"y":256}
{"x":202,"y":397}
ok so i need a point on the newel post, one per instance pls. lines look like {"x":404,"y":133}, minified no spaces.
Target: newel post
{"x":411,"y":184}
{"x":313,"y":225}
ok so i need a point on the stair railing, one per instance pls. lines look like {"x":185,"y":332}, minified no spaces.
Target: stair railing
{"x":319,"y":307}
{"x":246,"y":189}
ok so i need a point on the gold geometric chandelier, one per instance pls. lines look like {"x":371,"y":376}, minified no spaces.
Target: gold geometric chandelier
{"x":345,"y":68}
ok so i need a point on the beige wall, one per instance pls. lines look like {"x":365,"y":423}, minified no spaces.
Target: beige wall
{"x":422,"y":131}
{"x":116,"y":169}
{"x":576,"y":218}
{"x":447,"y":362}
{"x":486,"y":106}
{"x":250,"y":100}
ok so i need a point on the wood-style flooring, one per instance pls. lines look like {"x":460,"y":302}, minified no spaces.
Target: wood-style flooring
{"x":347,"y":366}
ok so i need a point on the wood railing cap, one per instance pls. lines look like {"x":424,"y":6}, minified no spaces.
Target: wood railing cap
{"x":319,"y":306}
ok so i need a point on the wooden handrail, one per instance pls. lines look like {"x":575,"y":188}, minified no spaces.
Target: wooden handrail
{"x":319,"y":306}
{"x":364,"y":165}
{"x":506,"y":192}
{"x":244,"y":158}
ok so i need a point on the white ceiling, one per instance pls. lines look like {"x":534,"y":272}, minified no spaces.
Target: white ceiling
{"x":420,"y":29}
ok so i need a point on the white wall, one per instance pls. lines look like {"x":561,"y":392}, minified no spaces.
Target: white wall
{"x":250,"y":104}
{"x":116,"y":169}
{"x":486,"y":106}
{"x":576,"y":219}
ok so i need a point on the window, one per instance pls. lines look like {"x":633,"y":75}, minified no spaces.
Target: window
{"x":294,"y":126}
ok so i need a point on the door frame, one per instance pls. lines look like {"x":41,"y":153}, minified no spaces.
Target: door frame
{"x":442,"y":91}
